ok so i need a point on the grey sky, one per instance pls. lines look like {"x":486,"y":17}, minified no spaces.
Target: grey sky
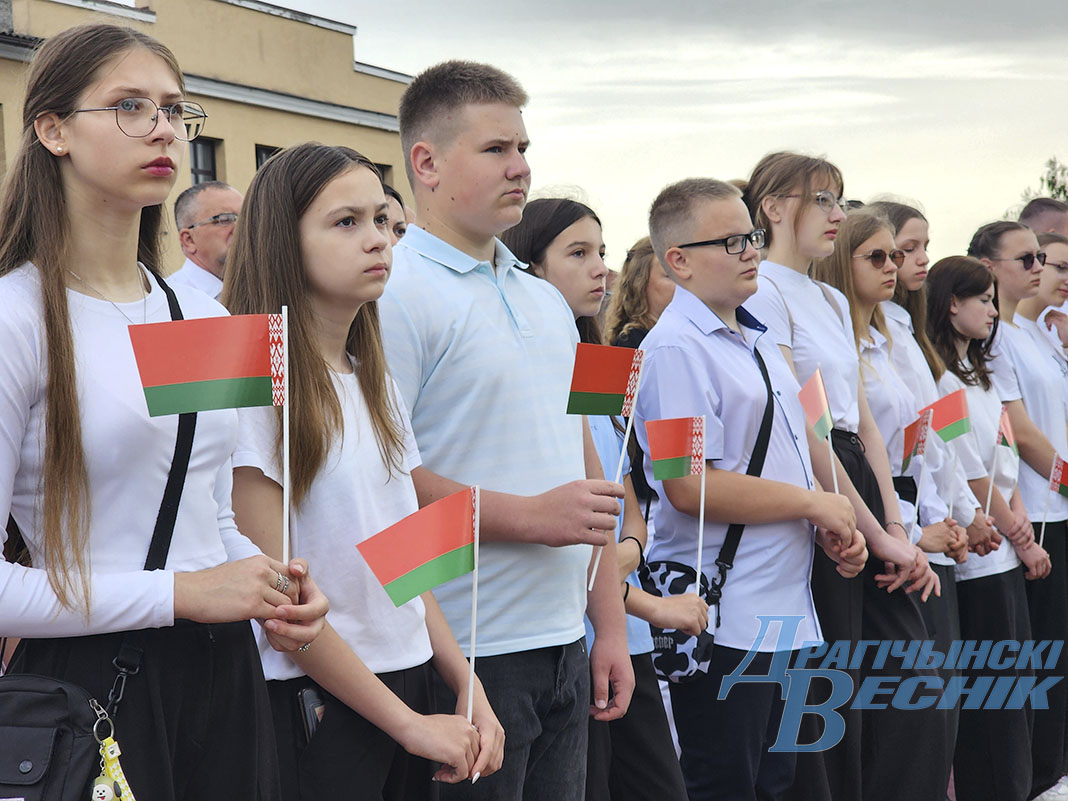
{"x":953,"y":103}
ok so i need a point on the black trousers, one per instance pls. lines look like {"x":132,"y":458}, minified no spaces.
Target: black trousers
{"x":993,"y":756}
{"x":725,"y":742}
{"x":942,"y":618}
{"x":1047,"y":601}
{"x":194,"y":724}
{"x":348,"y":758}
{"x":633,"y":758}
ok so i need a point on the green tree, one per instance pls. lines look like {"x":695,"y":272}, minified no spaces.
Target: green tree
{"x":1053,"y":183}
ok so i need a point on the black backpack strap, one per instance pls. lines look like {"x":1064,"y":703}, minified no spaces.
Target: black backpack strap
{"x":725,"y":560}
{"x":128,"y":661}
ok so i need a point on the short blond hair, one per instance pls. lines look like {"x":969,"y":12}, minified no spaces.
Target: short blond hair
{"x":673,"y":209}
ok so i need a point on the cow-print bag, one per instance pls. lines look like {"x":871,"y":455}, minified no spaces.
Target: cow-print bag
{"x":677,"y":656}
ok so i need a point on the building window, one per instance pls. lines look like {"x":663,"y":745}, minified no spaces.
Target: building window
{"x":202,"y":159}
{"x":264,"y":152}
{"x":387,"y":173}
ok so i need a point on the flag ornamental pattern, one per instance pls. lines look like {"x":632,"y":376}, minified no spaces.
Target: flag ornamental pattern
{"x":813,"y":397}
{"x":210,"y":363}
{"x":1059,"y":480}
{"x":1005,"y":435}
{"x":676,"y":446}
{"x":950,"y":415}
{"x":916,"y":438}
{"x":425,"y":549}
{"x":605,"y":380}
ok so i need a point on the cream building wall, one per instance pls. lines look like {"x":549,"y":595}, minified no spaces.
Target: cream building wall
{"x":267,"y":76}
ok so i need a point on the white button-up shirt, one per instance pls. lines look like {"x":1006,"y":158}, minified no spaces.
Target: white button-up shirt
{"x":696,"y":365}
{"x":800,"y":316}
{"x":192,"y":274}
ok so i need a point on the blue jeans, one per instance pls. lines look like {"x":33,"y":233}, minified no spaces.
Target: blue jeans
{"x":541,"y":698}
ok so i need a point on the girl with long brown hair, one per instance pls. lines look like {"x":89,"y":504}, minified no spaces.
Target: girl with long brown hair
{"x":82,"y":464}
{"x":642,"y":292}
{"x":313,"y":235}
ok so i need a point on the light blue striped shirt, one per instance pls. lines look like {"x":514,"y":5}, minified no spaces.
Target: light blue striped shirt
{"x":483,"y":360}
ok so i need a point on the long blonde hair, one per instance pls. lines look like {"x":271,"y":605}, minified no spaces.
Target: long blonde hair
{"x":265,"y":269}
{"x":837,"y":269}
{"x":629,"y":307}
{"x":34,"y":227}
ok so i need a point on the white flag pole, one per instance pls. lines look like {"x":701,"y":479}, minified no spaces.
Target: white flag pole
{"x":993,"y":472}
{"x":916,"y":506}
{"x":701,"y":511}
{"x":1045,"y":511}
{"x":474,"y":611}
{"x":834,"y":470}
{"x":285,"y":435}
{"x":619,"y":464}
{"x":956,"y":469}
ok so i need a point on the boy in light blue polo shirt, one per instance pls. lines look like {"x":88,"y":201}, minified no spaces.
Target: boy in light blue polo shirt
{"x":705,"y":357}
{"x":482,"y":353}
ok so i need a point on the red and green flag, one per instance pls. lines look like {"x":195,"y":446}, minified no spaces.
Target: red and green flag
{"x":813,"y":397}
{"x":676,"y":446}
{"x":605,"y":380}
{"x":950,"y":415}
{"x":916,"y":438}
{"x":1005,"y":435}
{"x":211,"y":363}
{"x":1058,"y":481}
{"x":425,"y":549}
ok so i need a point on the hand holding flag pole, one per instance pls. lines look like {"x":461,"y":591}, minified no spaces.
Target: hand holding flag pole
{"x":605,"y":381}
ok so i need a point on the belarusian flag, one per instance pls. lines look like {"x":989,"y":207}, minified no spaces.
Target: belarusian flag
{"x":210,"y":363}
{"x":813,"y":397}
{"x":676,"y":446}
{"x":916,"y":438}
{"x":950,"y":418}
{"x":1005,"y":435}
{"x":425,"y":549}
{"x":1059,"y":480}
{"x":605,"y":380}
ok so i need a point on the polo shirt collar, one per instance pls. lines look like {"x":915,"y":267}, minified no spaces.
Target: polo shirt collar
{"x":707,"y":321}
{"x":440,"y":251}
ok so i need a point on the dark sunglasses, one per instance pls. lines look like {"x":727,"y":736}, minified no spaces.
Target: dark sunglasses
{"x":878,"y":257}
{"x":1028,"y":259}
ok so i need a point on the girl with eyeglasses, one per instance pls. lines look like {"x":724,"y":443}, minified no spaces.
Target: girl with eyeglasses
{"x":633,"y":757}
{"x":864,"y":268}
{"x":797,"y":200}
{"x":1029,"y":377}
{"x":992,"y":757}
{"x":82,"y":464}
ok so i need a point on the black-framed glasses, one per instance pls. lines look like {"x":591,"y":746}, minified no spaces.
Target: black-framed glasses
{"x":137,"y":117}
{"x":735,"y":243}
{"x":1060,"y":267}
{"x":1028,"y":259}
{"x":879,"y":256}
{"x":226,"y":218}
{"x":826,"y":201}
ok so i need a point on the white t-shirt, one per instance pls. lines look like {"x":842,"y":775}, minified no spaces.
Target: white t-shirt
{"x":893,"y":406}
{"x":128,"y":457}
{"x":801,"y":314}
{"x":1029,"y":367}
{"x":977,"y":451}
{"x":911,"y":365}
{"x":352,"y":498}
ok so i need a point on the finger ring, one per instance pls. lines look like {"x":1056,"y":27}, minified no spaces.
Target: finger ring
{"x":304,"y":647}
{"x":278,"y":581}
{"x":285,"y":587}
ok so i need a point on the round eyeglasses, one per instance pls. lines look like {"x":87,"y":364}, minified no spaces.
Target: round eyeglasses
{"x":735,"y":243}
{"x":878,"y":257}
{"x":137,"y":117}
{"x":826,"y":201}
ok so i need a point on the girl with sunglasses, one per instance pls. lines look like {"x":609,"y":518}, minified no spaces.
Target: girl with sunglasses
{"x":992,"y":757}
{"x":1029,"y":376}
{"x":796,"y":199}
{"x":82,"y":464}
{"x":864,"y":268}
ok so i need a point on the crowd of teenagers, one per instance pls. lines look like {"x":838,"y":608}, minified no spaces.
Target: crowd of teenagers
{"x":438,"y":357}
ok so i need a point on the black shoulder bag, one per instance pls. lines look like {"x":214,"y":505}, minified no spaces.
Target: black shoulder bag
{"x":677,"y":656}
{"x":50,"y":729}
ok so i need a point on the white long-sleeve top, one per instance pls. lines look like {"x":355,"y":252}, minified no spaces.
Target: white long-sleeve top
{"x":128,"y":456}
